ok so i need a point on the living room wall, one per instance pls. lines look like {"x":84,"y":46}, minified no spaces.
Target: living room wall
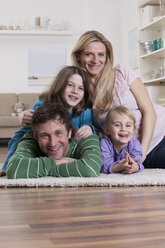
{"x":78,"y":16}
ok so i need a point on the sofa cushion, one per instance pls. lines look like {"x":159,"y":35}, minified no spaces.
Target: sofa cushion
{"x":9,"y":105}
{"x":7,"y":101}
{"x":9,"y":121}
{"x":28,"y":99}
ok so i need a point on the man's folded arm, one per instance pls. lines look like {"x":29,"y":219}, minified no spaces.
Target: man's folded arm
{"x":29,"y":162}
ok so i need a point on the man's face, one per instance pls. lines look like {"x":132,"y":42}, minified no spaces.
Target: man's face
{"x":53,"y":138}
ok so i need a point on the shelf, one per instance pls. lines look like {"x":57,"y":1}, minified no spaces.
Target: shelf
{"x":157,"y":24}
{"x":35,"y":32}
{"x":156,"y":80}
{"x":143,"y":3}
{"x":160,"y":53}
{"x":151,"y":65}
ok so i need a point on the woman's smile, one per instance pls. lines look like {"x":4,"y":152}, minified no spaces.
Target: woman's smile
{"x":93,"y":58}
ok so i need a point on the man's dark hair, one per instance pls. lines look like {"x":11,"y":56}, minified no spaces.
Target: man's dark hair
{"x":50,"y":111}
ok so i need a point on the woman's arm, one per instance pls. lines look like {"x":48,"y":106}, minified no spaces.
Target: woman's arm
{"x":148,"y":113}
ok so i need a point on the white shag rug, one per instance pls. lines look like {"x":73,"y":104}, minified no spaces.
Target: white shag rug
{"x":148,"y":177}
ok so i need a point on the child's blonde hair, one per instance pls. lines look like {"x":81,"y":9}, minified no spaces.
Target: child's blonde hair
{"x":120,"y":110}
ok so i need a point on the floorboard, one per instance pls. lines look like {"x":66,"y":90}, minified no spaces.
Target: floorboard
{"x":82,"y":217}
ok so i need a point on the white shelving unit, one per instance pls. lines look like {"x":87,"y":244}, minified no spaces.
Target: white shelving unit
{"x":153,"y":61}
{"x":35,"y":32}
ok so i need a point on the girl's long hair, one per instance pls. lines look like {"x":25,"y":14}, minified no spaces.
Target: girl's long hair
{"x":54,"y":93}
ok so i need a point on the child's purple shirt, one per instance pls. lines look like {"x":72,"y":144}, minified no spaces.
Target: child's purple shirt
{"x":111,"y":156}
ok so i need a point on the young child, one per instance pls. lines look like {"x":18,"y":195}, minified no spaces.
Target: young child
{"x":71,"y":89}
{"x":121,"y":152}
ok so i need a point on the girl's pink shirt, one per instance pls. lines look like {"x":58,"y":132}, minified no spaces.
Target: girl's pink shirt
{"x":122,"y":95}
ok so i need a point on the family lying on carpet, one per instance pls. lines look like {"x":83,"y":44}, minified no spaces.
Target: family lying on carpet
{"x":94,"y":82}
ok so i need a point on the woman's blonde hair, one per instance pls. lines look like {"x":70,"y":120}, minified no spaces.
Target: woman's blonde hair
{"x":102,"y":98}
{"x":120,"y":110}
{"x":54,"y":93}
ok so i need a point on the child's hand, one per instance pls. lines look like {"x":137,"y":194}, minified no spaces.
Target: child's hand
{"x":2,"y":173}
{"x":131,"y":166}
{"x":126,"y":165}
{"x":83,"y":132}
{"x":26,"y":117}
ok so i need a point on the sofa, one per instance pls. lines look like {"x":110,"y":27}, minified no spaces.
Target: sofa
{"x":11,"y":106}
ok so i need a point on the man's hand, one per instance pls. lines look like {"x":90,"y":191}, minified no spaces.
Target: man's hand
{"x":83,"y":132}
{"x":64,"y":160}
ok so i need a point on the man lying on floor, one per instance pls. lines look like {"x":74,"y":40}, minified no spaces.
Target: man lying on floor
{"x":50,"y":150}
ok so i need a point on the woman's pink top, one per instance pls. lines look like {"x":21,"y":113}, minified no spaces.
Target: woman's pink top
{"x":123,"y":96}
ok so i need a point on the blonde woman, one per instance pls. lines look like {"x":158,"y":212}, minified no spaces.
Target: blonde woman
{"x":120,"y":85}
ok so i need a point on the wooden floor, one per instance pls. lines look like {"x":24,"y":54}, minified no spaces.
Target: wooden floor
{"x":82,"y":217}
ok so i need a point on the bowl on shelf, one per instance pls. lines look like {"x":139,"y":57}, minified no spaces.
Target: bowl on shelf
{"x":147,"y":46}
{"x":158,"y":73}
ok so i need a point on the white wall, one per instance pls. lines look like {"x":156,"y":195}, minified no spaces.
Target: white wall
{"x":105,"y":17}
{"x":128,"y":22}
{"x":111,"y":17}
